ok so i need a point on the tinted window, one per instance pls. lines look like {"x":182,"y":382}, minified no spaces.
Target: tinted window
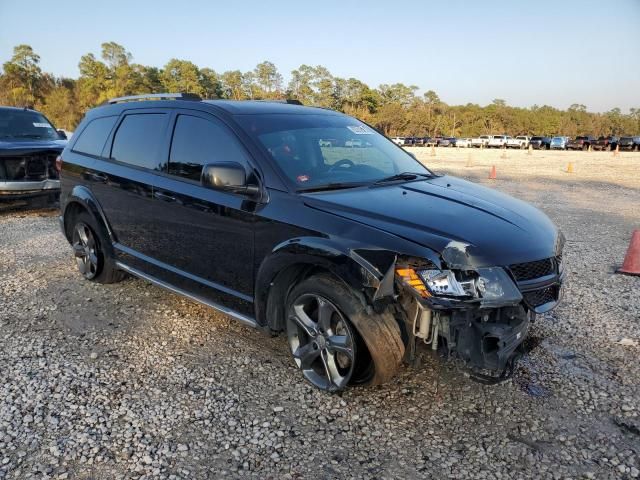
{"x":197,"y":141}
{"x":138,"y":139}
{"x":92,"y":138}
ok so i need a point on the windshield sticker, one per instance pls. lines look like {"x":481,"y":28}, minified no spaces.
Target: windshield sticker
{"x":41,"y":125}
{"x":302,"y":178}
{"x":360,"y":130}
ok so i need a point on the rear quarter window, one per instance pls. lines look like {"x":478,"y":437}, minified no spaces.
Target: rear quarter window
{"x":92,"y":139}
{"x":138,"y":139}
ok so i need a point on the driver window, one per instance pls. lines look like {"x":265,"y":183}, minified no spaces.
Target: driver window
{"x":197,"y":141}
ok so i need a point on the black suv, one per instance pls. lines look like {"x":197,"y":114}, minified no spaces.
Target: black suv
{"x":540,"y":143}
{"x":359,"y":254}
{"x":29,"y":146}
{"x":581,"y":143}
{"x":630,"y":143}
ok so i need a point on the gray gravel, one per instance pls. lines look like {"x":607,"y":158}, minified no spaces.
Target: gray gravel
{"x":129,"y":381}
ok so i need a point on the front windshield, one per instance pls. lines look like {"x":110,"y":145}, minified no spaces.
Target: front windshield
{"x":320,"y":150}
{"x":26,"y":124}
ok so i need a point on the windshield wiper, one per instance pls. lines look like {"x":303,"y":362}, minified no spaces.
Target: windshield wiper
{"x":331,"y":186}
{"x":405,"y":176}
{"x":30,"y":135}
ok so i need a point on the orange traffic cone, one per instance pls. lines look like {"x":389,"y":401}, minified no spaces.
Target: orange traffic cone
{"x":570,"y":167}
{"x":631,"y":264}
{"x":616,"y":152}
{"x":433,"y":150}
{"x":529,"y":149}
{"x":492,"y":174}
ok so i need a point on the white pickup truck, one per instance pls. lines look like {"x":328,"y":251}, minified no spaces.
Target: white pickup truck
{"x":498,"y":141}
{"x":520,"y":141}
{"x":482,"y":140}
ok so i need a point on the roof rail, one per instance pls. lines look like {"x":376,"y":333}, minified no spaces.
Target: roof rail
{"x":155,"y":96}
{"x":290,"y":101}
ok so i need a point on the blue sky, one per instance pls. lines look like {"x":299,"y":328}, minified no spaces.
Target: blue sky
{"x":526,"y":52}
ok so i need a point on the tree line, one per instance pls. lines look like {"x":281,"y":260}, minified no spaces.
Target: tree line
{"x":395,"y":109}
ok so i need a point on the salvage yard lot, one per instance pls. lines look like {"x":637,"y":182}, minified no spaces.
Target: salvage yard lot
{"x":127,"y":380}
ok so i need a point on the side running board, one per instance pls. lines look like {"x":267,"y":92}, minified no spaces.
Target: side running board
{"x":244,"y":319}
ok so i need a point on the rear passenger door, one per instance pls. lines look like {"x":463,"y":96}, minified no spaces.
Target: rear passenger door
{"x":205,"y":236}
{"x":122,"y":178}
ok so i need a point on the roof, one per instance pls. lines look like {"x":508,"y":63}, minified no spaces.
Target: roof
{"x":2,"y":107}
{"x":253,"y":107}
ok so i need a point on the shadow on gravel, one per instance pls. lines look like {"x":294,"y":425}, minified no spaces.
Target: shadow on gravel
{"x":17,"y":207}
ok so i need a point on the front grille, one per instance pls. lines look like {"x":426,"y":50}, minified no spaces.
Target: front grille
{"x":28,"y":167}
{"x":531,"y":270}
{"x":536,"y":298}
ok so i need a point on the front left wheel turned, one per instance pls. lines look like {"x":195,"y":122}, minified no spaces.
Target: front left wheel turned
{"x":335,"y":340}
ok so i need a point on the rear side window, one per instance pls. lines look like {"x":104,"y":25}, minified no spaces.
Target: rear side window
{"x":91,"y":140}
{"x":138,"y":139}
{"x":197,"y":141}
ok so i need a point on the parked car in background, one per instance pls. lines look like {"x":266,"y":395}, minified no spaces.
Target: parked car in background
{"x":605,"y":143}
{"x":559,"y":143}
{"x":521,"y":141}
{"x":398,"y":140}
{"x":356,"y":259}
{"x":452,"y":141}
{"x":443,"y":142}
{"x":630,"y":143}
{"x":420,"y":141}
{"x":480,"y":141}
{"x":463,"y":143}
{"x":408,"y":142}
{"x":581,"y":143}
{"x":498,"y":141}
{"x":540,"y":143}
{"x":29,"y":146}
{"x":331,"y":142}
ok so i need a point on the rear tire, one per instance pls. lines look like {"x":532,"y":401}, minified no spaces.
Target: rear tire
{"x":337,"y":341}
{"x":93,"y":251}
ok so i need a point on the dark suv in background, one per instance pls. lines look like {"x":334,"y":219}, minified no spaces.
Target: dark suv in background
{"x":359,"y":254}
{"x":29,"y":146}
{"x":540,"y":143}
{"x":581,"y":143}
{"x":605,"y":143}
{"x":630,"y":143}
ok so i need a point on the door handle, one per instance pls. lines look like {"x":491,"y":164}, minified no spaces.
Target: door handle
{"x":164,"y":196}
{"x":98,"y":177}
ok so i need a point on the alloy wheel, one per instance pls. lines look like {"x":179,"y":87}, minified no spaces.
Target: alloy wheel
{"x":322,"y":342}
{"x":85,"y":250}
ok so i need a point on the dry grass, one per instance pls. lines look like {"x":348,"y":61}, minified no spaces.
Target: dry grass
{"x":601,"y":167}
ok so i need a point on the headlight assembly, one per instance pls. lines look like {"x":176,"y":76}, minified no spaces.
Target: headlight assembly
{"x":491,"y":285}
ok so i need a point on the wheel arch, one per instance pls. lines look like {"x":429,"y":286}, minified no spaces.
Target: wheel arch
{"x":294,"y":260}
{"x":82,"y":199}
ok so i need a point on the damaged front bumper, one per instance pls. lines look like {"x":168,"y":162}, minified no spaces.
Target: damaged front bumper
{"x":21,"y":189}
{"x":29,"y":173}
{"x":484,"y":327}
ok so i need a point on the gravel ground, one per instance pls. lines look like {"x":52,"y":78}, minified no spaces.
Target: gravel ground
{"x":129,"y":381}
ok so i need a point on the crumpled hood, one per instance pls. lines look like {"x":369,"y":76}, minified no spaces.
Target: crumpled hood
{"x":20,"y":146}
{"x":467,"y":223}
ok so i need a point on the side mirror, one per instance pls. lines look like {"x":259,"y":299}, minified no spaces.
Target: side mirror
{"x":228,"y":177}
{"x":62,"y":134}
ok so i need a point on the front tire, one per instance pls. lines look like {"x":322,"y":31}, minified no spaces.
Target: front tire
{"x":335,"y":340}
{"x":92,"y":250}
